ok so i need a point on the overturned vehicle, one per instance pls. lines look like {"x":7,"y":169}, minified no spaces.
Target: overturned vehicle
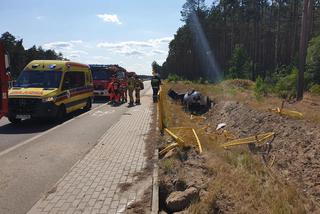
{"x":192,"y":101}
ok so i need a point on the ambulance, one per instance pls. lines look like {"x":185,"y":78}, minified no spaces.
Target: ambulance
{"x":50,"y":89}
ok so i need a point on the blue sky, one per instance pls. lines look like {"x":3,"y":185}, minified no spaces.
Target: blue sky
{"x":131,"y":33}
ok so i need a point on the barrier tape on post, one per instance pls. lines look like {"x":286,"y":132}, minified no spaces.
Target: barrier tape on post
{"x":162,"y":126}
{"x":258,"y":139}
{"x":197,"y":140}
{"x":178,"y":139}
{"x":168,"y":148}
{"x":160,"y":110}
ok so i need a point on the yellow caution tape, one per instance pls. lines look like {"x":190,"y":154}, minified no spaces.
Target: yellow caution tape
{"x":168,"y":148}
{"x":228,"y":135}
{"x":197,"y":140}
{"x":178,"y":139}
{"x":290,"y":113}
{"x":258,"y":139}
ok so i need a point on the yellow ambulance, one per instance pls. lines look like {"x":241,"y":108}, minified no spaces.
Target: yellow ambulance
{"x":50,"y":89}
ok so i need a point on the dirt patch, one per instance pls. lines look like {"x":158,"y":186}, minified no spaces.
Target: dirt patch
{"x":142,"y":206}
{"x":238,"y":180}
{"x":296,"y":146}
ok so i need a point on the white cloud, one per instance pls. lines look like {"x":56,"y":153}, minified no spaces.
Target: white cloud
{"x":73,"y":56}
{"x":159,"y":52}
{"x":73,"y":50}
{"x":76,"y":41}
{"x":138,"y":48}
{"x":58,"y":45}
{"x":79,"y":52}
{"x":135,"y":55}
{"x":112,"y":18}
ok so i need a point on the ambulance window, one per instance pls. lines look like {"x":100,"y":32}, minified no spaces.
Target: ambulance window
{"x":73,"y":80}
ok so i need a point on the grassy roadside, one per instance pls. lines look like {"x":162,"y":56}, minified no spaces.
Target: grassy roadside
{"x":235,"y":180}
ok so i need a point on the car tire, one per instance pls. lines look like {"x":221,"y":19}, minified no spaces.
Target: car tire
{"x":61,"y":114}
{"x":88,"y":105}
{"x":14,"y":120}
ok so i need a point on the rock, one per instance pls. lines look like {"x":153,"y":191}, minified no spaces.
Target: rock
{"x":163,"y":212}
{"x":179,"y":200}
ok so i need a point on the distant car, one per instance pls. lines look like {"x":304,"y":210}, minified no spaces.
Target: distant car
{"x":50,"y":89}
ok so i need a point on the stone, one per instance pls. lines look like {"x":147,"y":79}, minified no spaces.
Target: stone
{"x":179,"y":200}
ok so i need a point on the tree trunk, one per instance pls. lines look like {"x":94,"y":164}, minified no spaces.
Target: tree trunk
{"x":305,"y":29}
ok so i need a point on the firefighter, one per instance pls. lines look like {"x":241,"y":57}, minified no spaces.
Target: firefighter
{"x":138,"y":87}
{"x":131,"y":87}
{"x":124,"y":90}
{"x":114,"y":90}
{"x":155,"y":83}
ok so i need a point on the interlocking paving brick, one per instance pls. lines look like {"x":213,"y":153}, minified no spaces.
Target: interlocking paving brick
{"x":92,"y":185}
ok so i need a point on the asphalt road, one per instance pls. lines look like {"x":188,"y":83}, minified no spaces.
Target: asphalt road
{"x":35,"y":155}
{"x":11,"y":135}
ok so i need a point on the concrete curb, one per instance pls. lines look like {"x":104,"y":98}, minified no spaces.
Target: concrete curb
{"x":155,"y":186}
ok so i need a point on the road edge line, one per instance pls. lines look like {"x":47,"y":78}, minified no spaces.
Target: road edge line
{"x":46,"y":132}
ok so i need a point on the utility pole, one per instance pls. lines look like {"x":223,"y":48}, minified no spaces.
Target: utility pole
{"x":304,"y":38}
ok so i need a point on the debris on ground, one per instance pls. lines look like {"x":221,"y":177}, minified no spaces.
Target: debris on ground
{"x":192,"y":100}
{"x":279,"y":175}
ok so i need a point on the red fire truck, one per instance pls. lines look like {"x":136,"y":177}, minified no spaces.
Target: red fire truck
{"x":102,"y":76}
{"x":4,"y":80}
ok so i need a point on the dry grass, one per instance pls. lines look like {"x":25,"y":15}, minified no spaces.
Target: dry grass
{"x":241,"y":183}
{"x":241,"y":91}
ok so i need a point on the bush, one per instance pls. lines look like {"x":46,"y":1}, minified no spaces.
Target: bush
{"x":286,"y":86}
{"x":315,"y":89}
{"x":260,"y":88}
{"x":313,"y":61}
{"x":240,"y":64}
{"x":174,"y":78}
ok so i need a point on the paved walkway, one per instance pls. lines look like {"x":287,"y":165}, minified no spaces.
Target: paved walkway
{"x":93,"y":185}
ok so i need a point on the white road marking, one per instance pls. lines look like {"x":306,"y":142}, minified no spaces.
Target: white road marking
{"x":102,"y":113}
{"x":46,"y":132}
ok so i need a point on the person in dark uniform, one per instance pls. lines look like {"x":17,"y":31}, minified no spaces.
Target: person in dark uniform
{"x":155,"y":83}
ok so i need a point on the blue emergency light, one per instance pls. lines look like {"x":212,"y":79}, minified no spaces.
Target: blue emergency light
{"x":53,"y":66}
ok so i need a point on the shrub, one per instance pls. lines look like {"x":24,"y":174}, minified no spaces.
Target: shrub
{"x":240,"y":64}
{"x":260,"y":88}
{"x":286,"y":86}
{"x":313,"y":61}
{"x":315,"y":89}
{"x":174,"y":78}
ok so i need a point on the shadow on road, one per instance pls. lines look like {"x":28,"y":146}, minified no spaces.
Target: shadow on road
{"x":38,"y":126}
{"x":100,"y":100}
{"x":34,"y":125}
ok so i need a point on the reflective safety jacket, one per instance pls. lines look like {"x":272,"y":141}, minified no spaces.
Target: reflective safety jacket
{"x":131,"y":83}
{"x":155,"y":82}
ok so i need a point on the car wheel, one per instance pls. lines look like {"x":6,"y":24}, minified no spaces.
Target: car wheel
{"x":88,"y":105}
{"x":14,"y":120}
{"x":61,"y":114}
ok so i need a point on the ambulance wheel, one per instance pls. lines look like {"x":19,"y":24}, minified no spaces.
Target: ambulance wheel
{"x":61,"y":114}
{"x":14,"y":120}
{"x":88,"y":105}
